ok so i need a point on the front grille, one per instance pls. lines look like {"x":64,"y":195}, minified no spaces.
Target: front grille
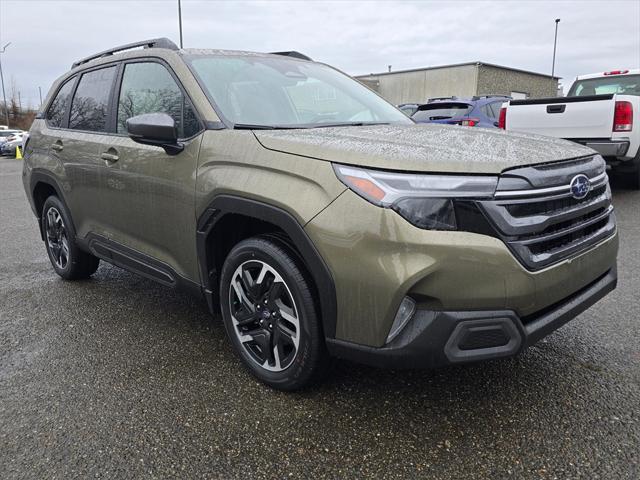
{"x":553,"y":206}
{"x":543,"y":223}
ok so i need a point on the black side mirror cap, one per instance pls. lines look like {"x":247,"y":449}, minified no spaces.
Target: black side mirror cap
{"x":157,"y":129}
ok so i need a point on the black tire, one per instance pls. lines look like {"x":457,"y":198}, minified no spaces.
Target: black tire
{"x":271,"y":342}
{"x":628,"y":173}
{"x":67,"y":259}
{"x":635,"y":173}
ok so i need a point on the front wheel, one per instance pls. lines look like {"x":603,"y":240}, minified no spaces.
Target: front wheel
{"x":270,"y":315}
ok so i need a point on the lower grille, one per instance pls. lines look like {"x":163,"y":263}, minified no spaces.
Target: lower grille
{"x":547,"y":224}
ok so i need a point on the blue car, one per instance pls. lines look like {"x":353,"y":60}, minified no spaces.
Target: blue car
{"x":480,"y":111}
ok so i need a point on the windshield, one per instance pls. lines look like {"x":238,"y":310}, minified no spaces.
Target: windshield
{"x":627,"y":85}
{"x":441,"y":111}
{"x":258,"y":91}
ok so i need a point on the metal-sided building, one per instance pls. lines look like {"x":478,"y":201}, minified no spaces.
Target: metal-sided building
{"x":462,"y":80}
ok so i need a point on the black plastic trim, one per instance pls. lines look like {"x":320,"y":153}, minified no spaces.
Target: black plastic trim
{"x":39,"y":175}
{"x":229,"y":204}
{"x":432,"y":339}
{"x":136,"y":262}
{"x":209,"y":125}
{"x":558,"y":108}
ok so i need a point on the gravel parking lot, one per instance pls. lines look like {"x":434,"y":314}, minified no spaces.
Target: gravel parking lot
{"x":118,"y":377}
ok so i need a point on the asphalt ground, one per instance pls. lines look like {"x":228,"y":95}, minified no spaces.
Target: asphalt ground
{"x":118,"y":377}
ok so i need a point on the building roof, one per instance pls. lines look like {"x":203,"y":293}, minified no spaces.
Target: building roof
{"x":466,"y":64}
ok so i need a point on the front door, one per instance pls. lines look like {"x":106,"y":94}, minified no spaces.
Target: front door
{"x":151,"y":194}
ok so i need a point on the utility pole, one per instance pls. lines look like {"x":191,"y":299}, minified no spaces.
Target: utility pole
{"x":40,"y":91}
{"x":555,"y":42}
{"x":4,"y":97}
{"x":180,"y":20}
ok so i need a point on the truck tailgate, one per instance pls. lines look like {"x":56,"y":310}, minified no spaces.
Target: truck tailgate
{"x":570,"y":117}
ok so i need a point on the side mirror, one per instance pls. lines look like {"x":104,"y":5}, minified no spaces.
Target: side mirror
{"x":157,"y":129}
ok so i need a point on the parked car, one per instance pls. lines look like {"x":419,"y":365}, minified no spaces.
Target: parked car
{"x":8,"y":147}
{"x":25,"y":138}
{"x":599,"y":111}
{"x":479,"y":111}
{"x":353,"y":233}
{"x":6,"y":133}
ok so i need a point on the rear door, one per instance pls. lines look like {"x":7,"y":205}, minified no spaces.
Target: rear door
{"x":74,"y":135}
{"x":151,"y":195}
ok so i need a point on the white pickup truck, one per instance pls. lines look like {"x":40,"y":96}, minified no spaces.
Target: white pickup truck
{"x":599,"y":111}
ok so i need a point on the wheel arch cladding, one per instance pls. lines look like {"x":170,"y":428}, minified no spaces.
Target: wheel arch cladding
{"x":42,"y":186}
{"x":260,"y":218}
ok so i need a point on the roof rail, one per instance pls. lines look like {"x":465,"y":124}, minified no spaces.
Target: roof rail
{"x":153,"y":43}
{"x":293,"y":54}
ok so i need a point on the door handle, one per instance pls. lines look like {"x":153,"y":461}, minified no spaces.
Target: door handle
{"x":109,"y":157}
{"x":556,"y":108}
{"x":57,"y":146}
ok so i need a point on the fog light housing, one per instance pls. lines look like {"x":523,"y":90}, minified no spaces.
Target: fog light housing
{"x":403,"y":315}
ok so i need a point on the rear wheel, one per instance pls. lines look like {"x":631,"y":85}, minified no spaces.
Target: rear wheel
{"x":270,"y":315}
{"x":67,"y":259}
{"x":635,"y":173}
{"x":629,"y":172}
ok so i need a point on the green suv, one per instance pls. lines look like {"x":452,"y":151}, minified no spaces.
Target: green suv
{"x":315,"y":216}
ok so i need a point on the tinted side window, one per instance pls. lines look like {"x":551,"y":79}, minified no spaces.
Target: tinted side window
{"x":496,"y":106}
{"x":149,"y":88}
{"x":90,"y":104}
{"x":488,"y":111}
{"x":57,"y":109}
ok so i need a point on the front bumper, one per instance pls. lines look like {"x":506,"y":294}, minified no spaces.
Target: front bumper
{"x":377,"y":258}
{"x":434,"y":339}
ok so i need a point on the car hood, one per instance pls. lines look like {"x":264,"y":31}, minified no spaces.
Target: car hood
{"x":422,"y":148}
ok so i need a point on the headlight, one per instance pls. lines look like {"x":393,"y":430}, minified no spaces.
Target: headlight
{"x":425,"y":200}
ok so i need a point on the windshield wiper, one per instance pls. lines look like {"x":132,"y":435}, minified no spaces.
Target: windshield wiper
{"x":248,"y":126}
{"x":348,"y":124}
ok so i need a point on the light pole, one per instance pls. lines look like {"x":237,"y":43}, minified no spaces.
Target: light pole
{"x":180,"y":21}
{"x":555,"y":42}
{"x":4,"y":97}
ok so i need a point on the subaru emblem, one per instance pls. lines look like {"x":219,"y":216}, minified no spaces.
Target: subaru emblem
{"x":580,"y":186}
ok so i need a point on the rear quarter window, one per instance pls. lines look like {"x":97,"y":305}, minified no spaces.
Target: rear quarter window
{"x":58,"y":107}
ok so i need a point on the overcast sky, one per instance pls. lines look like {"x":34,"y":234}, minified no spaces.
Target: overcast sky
{"x":358,"y":37}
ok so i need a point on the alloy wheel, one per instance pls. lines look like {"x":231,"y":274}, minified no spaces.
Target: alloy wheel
{"x":264,"y":315}
{"x":57,"y":240}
